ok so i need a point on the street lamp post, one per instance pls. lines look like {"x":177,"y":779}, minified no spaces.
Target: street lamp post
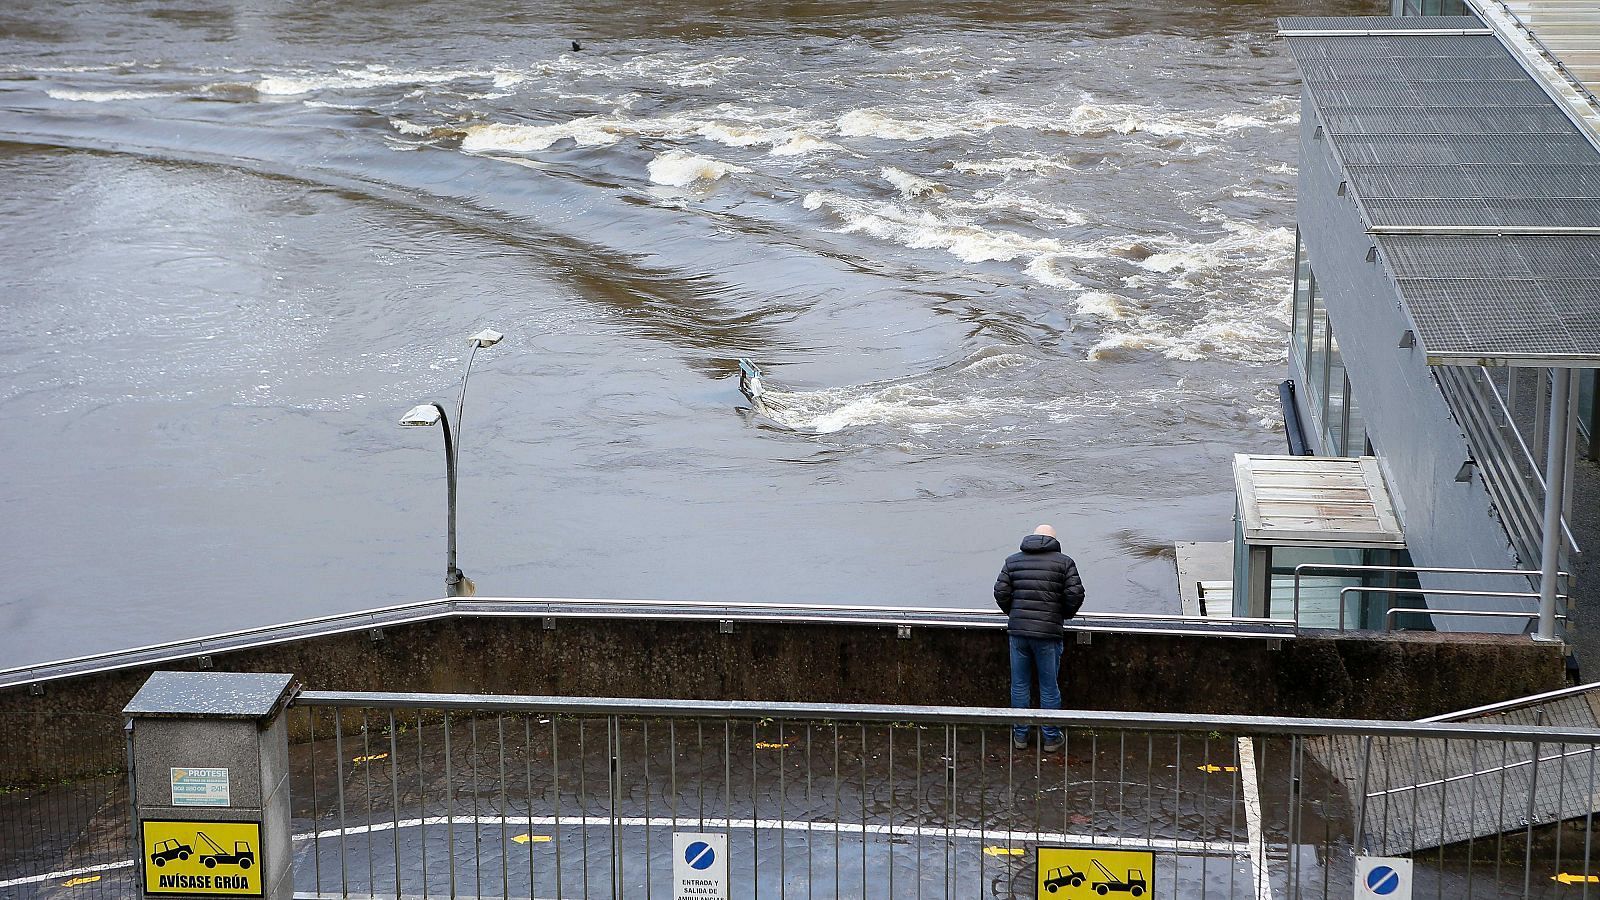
{"x":425,"y":415}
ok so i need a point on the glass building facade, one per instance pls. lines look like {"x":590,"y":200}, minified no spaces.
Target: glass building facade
{"x":1335,"y":418}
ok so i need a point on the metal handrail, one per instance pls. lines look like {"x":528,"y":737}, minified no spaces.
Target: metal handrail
{"x":1389,"y":615}
{"x":1515,"y":704}
{"x":1432,"y":570}
{"x":993,"y":716}
{"x":1559,"y":756}
{"x":516,"y":607}
{"x":1515,"y":484}
{"x":1425,"y":610}
{"x":1550,"y":55}
{"x":1504,"y":475}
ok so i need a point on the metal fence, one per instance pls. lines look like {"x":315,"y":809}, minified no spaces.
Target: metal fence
{"x":64,"y":826}
{"x":406,"y":795}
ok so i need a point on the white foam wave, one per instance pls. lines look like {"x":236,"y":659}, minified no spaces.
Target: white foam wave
{"x":1088,"y":118}
{"x":923,"y":230}
{"x":1245,"y":244}
{"x":102,"y":96}
{"x":587,"y":132}
{"x":1007,"y":165}
{"x":1048,"y":269}
{"x":1100,"y":304}
{"x":292,"y":85}
{"x":726,"y":124}
{"x":910,"y":186}
{"x":405,"y":127}
{"x":679,"y":168}
{"x":800,"y":143}
{"x":1009,"y":201}
{"x":879,"y":124}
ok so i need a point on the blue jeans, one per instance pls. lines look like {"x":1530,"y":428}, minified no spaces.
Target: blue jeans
{"x":1039,"y":657}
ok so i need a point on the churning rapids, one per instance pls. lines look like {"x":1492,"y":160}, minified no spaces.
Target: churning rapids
{"x":1007,"y":265}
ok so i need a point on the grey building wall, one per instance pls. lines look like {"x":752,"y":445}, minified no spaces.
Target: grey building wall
{"x":1418,"y":443}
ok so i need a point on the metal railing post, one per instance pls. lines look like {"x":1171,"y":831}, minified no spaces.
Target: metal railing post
{"x":1555,"y":477}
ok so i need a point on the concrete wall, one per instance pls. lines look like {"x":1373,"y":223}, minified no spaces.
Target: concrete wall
{"x":1414,"y":434}
{"x":1401,"y":676}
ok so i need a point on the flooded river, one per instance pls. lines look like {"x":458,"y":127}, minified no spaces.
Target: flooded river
{"x":1002,"y":264}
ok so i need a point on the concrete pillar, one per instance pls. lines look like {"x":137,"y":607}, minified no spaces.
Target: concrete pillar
{"x":210,"y":779}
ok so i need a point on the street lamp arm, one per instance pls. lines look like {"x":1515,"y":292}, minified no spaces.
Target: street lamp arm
{"x":461,"y":399}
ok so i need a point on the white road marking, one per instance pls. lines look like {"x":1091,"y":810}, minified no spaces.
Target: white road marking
{"x":66,"y":873}
{"x":1252,"y":820}
{"x":714,"y":824}
{"x":1179,"y":846}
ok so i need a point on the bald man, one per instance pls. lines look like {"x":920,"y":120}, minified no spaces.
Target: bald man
{"x":1038,"y":590}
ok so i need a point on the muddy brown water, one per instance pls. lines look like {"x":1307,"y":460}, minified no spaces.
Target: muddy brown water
{"x":1003,"y":264}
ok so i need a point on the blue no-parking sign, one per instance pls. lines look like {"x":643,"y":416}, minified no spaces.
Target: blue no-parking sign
{"x":699,"y":866}
{"x":1383,"y":878}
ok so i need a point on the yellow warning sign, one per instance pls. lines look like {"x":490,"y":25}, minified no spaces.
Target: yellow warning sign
{"x":1079,"y":873}
{"x":202,"y":858}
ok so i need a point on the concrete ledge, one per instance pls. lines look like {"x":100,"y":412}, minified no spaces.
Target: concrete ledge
{"x":1404,"y":675}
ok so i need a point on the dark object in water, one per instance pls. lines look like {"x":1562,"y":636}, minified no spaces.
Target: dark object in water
{"x":750,"y":384}
{"x":576,"y":46}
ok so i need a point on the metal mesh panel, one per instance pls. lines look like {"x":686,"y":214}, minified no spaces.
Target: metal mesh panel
{"x":1434,"y":149}
{"x":1558,"y":256}
{"x":1460,"y":68}
{"x":1377,"y":23}
{"x":1519,"y":92}
{"x":1538,"y":213}
{"x":1354,"y":70}
{"x":1498,"y":316}
{"x":1377,"y":46}
{"x":1490,"y":182}
{"x":1368,"y":94}
{"x":1449,"y":131}
{"x":1496,"y":120}
{"x":1500,"y":120}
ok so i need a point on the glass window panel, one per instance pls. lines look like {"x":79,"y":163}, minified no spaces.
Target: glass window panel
{"x":1586,"y":380}
{"x":1302,"y":301}
{"x":1333,"y":412}
{"x":1355,"y":437}
{"x":1319,"y":591}
{"x":1317,"y":359}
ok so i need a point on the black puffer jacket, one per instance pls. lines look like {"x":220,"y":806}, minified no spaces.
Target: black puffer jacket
{"x":1039,"y":588}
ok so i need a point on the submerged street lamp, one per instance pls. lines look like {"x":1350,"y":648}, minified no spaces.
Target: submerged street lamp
{"x":427,"y":415}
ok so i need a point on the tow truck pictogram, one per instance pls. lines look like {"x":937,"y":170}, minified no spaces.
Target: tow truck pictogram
{"x":1135,"y":885}
{"x":242,"y":856}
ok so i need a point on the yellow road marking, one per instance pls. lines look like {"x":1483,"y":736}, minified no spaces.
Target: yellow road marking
{"x":87,"y":879}
{"x":1566,"y":878}
{"x":373,"y":758}
{"x":1004,"y":851}
{"x":771,"y":745}
{"x":536,"y":838}
{"x":1213,"y":769}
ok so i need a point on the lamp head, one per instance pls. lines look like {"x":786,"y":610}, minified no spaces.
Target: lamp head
{"x":486,"y":338}
{"x":422,"y":414}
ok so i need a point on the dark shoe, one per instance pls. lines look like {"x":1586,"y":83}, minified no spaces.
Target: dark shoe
{"x":1021,"y":743}
{"x":1053,"y":746}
